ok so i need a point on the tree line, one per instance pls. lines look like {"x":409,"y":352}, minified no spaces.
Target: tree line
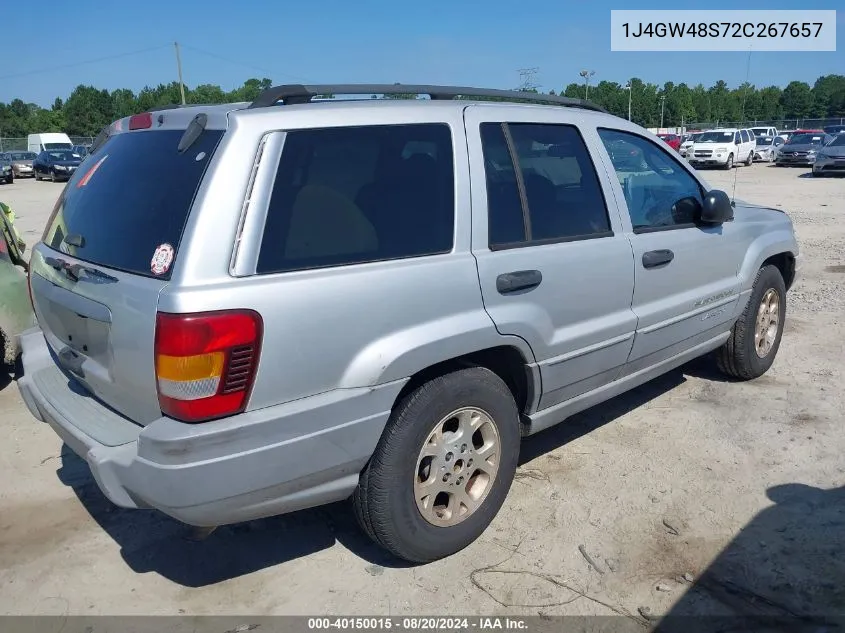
{"x":88,"y":109}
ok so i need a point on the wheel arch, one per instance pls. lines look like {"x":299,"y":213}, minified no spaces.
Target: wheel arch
{"x":521,"y":376}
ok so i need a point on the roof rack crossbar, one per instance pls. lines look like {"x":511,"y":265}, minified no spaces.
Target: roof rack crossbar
{"x":289,"y":94}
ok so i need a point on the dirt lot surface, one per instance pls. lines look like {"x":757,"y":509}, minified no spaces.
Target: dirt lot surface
{"x":690,"y":494}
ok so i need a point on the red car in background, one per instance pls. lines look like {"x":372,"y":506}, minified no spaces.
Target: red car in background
{"x":672,"y":140}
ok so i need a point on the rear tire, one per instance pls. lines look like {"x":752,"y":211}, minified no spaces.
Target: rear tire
{"x":52,"y":176}
{"x":755,"y":337}
{"x":750,"y":159}
{"x":730,"y":162}
{"x":411,"y":498}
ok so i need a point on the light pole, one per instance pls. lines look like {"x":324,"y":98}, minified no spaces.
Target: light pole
{"x":630,"y":89}
{"x":662,"y":104}
{"x":586,"y":74}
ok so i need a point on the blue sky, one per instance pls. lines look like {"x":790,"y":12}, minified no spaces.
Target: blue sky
{"x":434,"y":41}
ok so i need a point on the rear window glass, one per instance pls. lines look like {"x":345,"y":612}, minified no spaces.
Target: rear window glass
{"x":360,"y":194}
{"x":130,"y":197}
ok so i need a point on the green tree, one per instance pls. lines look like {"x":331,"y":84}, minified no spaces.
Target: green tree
{"x":824,"y":95}
{"x":87,"y":111}
{"x":797,"y":100}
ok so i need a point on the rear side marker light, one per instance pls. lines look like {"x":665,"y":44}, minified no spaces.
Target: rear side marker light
{"x":206,"y":362}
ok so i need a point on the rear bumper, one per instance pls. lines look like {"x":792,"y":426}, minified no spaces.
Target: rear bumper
{"x":261,"y":463}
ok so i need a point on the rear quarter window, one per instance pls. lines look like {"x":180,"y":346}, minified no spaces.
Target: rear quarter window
{"x":360,"y":194}
{"x":130,"y":197}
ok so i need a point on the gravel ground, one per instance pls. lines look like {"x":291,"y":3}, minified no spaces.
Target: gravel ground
{"x":691,"y":494}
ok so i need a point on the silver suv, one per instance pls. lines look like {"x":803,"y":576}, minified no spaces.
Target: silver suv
{"x":246,"y":310}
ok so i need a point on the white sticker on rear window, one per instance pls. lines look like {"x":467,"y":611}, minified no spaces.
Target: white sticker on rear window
{"x":162,"y":258}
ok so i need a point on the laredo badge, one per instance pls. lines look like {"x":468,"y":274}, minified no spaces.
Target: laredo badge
{"x":162,"y":258}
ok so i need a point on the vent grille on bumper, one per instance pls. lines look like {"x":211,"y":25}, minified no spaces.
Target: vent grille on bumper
{"x":240,"y":367}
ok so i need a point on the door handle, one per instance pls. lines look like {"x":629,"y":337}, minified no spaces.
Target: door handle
{"x":653,"y":259}
{"x":518,"y":280}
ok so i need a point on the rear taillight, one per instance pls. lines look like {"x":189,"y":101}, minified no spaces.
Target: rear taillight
{"x":206,"y":362}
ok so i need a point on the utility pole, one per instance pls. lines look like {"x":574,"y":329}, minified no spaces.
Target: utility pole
{"x":179,"y":69}
{"x":630,"y":89}
{"x":662,"y":104}
{"x":526,"y":76}
{"x":586,"y":74}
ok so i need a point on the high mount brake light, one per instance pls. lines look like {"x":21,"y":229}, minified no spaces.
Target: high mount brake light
{"x":141,"y":121}
{"x":206,"y":362}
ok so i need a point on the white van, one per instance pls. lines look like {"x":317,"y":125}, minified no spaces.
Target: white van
{"x":52,"y":140}
{"x":723,"y":147}
{"x":765,"y":131}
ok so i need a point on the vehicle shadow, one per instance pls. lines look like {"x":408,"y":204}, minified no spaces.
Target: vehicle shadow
{"x":784,"y":571}
{"x":808,"y":174}
{"x":9,"y":372}
{"x":6,"y":376}
{"x":153,"y":542}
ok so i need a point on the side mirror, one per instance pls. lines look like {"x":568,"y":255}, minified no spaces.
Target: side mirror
{"x":716,"y":208}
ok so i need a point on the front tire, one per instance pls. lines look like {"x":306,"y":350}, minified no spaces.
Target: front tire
{"x":443,"y":466}
{"x":730,"y":162}
{"x":755,"y":337}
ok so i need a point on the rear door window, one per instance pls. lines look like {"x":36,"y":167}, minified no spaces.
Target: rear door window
{"x":130,"y":197}
{"x":360,"y":194}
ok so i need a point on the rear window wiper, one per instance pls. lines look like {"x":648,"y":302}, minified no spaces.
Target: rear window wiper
{"x":194,"y":130}
{"x":73,"y":270}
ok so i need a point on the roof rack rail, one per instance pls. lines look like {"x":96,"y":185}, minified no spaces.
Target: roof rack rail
{"x":290,"y":94}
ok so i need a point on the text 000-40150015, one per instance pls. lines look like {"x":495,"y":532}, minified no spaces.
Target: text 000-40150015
{"x":714,"y":30}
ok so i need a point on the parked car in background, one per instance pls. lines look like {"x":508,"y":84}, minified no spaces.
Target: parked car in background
{"x":830,"y":159}
{"x":687,"y":142}
{"x":802,"y":148}
{"x":189,"y":349}
{"x":672,"y":140}
{"x":15,"y":309}
{"x":767,"y":148}
{"x":834,"y":129}
{"x":765,"y":131}
{"x":22,"y":163}
{"x":723,"y":147}
{"x":6,"y":174}
{"x":56,"y":164}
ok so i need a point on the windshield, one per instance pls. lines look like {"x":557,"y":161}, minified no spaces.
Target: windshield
{"x":765,"y":140}
{"x":57,"y":146}
{"x":806,"y":139}
{"x":152,"y":184}
{"x":759,"y":131}
{"x":21,"y":155}
{"x":838,"y":141}
{"x":715,"y":137}
{"x":63,"y":155}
